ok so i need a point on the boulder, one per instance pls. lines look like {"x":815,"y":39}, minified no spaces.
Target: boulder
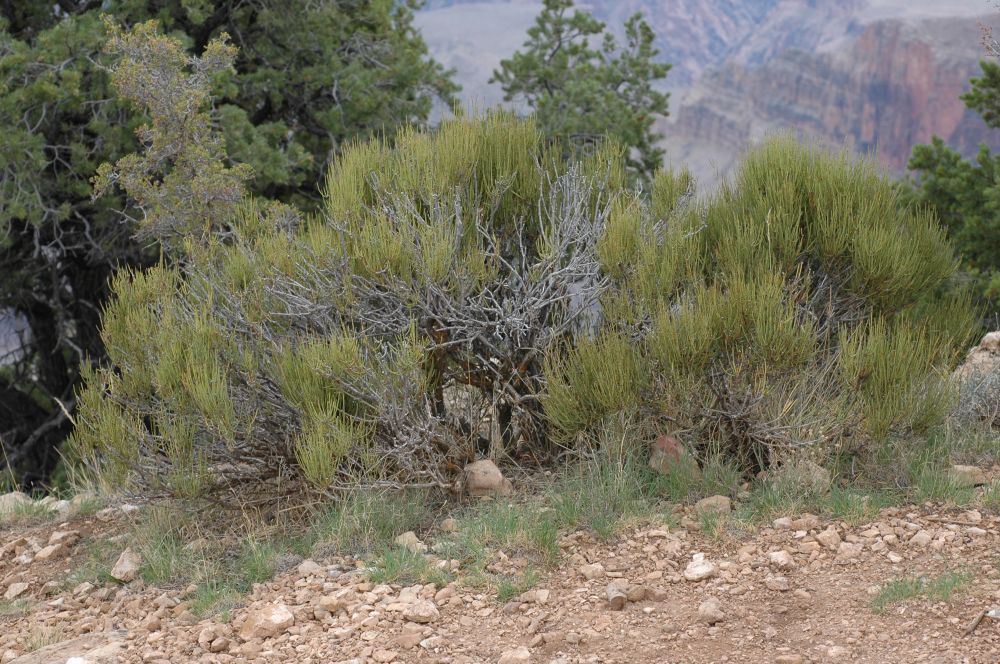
{"x":483,"y":478}
{"x":829,"y":538}
{"x":15,"y":590}
{"x":266,"y":622}
{"x":421,"y":612}
{"x":668,"y":455}
{"x":714,"y":504}
{"x":983,"y":359}
{"x":411,"y":542}
{"x":126,"y":569}
{"x":700,"y":569}
{"x":710,"y":611}
{"x":10,"y":502}
{"x":781,"y":559}
{"x":515,"y":656}
{"x":96,"y":648}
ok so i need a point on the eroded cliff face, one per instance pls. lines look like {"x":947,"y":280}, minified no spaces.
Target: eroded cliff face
{"x":892,"y":86}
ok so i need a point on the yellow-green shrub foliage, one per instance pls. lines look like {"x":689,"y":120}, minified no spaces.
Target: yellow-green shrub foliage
{"x":342,"y":350}
{"x":468,"y":286}
{"x":798,"y":305}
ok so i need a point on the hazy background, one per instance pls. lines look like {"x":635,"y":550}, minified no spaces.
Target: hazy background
{"x":866,"y":74}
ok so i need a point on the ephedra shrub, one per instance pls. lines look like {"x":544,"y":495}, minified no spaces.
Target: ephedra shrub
{"x":799,"y":308}
{"x":467,"y":291}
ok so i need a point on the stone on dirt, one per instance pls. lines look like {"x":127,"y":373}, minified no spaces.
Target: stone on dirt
{"x":667,"y":455}
{"x":98,"y":648}
{"x":15,"y":590}
{"x":421,"y":612}
{"x":700,"y":569}
{"x":781,"y":559}
{"x":266,"y":622}
{"x":483,"y":478}
{"x":710,"y":611}
{"x":515,"y":656}
{"x":714,"y":504}
{"x":829,"y":538}
{"x":617,"y":593}
{"x":127,"y":566}
{"x":411,"y":542}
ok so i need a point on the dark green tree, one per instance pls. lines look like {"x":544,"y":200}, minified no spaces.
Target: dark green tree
{"x":309,"y":78}
{"x":966,"y":193}
{"x":581,"y":92}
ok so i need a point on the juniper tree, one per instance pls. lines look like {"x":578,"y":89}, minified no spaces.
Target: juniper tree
{"x":581,"y":92}
{"x":309,"y":77}
{"x":964,"y":193}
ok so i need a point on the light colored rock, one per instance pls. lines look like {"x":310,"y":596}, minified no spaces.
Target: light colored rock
{"x":782,"y":523}
{"x":921,"y":538}
{"x":449,"y":525}
{"x":592,"y":571}
{"x":714,"y":504}
{"x":535,"y":596}
{"x":805,"y":522}
{"x":337,"y":601}
{"x":50,"y":551}
{"x":710,"y":611}
{"x":848,"y":551}
{"x":310,"y":568}
{"x":15,"y":590}
{"x":10,"y":502}
{"x":635,"y":592}
{"x":515,"y":656}
{"x":410,"y":541}
{"x":781,"y":559}
{"x":894,"y":558}
{"x":432,"y":642}
{"x":968,"y":476}
{"x":483,"y":478}
{"x":266,"y":622}
{"x":829,"y":538}
{"x":700,"y":569}
{"x":96,"y":648}
{"x":777,"y":583}
{"x":127,"y":566}
{"x":837,"y":652}
{"x":788,"y":659}
{"x":617,"y":594}
{"x":67,"y":537}
{"x":421,"y":612}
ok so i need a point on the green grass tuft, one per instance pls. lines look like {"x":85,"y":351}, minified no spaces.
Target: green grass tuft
{"x":940,"y":589}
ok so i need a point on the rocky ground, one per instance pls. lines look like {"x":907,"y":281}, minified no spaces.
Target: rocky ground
{"x":800,"y":590}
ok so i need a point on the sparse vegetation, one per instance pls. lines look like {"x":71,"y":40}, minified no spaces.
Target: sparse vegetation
{"x":402,"y":566}
{"x":938,"y":589}
{"x":43,"y":636}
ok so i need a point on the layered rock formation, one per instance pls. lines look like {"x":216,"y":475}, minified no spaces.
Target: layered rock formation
{"x":895,"y":84}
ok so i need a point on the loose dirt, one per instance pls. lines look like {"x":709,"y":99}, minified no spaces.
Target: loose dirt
{"x":802,"y":590}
